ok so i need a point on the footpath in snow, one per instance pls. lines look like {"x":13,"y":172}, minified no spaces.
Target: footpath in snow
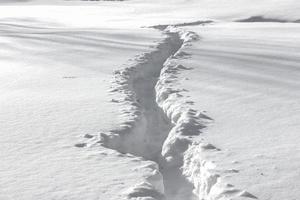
{"x":164,"y":128}
{"x":221,"y":117}
{"x":207,"y":108}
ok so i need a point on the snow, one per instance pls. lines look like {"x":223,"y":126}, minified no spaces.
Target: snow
{"x":95,"y":105}
{"x":138,"y":13}
{"x":54,"y":91}
{"x":246,"y":77}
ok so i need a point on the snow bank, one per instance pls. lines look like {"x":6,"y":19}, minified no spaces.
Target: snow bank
{"x":183,"y":148}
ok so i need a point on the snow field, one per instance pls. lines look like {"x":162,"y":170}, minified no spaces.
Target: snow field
{"x":246,"y":78}
{"x":201,"y":111}
{"x":54,"y":85}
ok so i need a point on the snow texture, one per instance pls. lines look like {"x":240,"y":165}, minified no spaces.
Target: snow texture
{"x":206,"y":108}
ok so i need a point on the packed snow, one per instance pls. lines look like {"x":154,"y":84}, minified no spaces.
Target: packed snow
{"x":149,"y":100}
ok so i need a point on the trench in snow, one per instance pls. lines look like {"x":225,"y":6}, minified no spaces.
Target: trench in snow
{"x":145,"y":133}
{"x":158,"y":125}
{"x":146,"y":137}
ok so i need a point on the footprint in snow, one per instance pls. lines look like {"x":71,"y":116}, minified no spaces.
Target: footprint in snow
{"x":80,"y":145}
{"x":88,"y":136}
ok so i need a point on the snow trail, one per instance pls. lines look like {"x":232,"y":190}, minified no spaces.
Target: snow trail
{"x":163,"y":128}
{"x":145,"y":134}
{"x":158,"y":125}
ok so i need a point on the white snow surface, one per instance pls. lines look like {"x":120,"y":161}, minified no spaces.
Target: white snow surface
{"x":137,"y":13}
{"x":95,"y":105}
{"x":54,"y":95}
{"x":246,"y":77}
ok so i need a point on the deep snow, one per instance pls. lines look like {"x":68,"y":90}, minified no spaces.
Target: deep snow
{"x":95,"y":107}
{"x":246,"y":77}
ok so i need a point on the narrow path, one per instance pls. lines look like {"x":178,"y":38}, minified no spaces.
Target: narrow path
{"x":150,"y":134}
{"x":158,"y":124}
{"x":145,"y":139}
{"x":176,"y":185}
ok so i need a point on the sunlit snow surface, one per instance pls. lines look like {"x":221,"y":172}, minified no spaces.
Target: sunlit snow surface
{"x":246,"y":77}
{"x":54,"y":91}
{"x":240,"y":80}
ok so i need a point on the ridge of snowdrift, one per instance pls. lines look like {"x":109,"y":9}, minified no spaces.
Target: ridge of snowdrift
{"x":163,"y":128}
{"x":261,"y":18}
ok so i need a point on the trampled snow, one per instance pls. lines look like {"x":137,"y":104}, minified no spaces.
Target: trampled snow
{"x":95,"y":105}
